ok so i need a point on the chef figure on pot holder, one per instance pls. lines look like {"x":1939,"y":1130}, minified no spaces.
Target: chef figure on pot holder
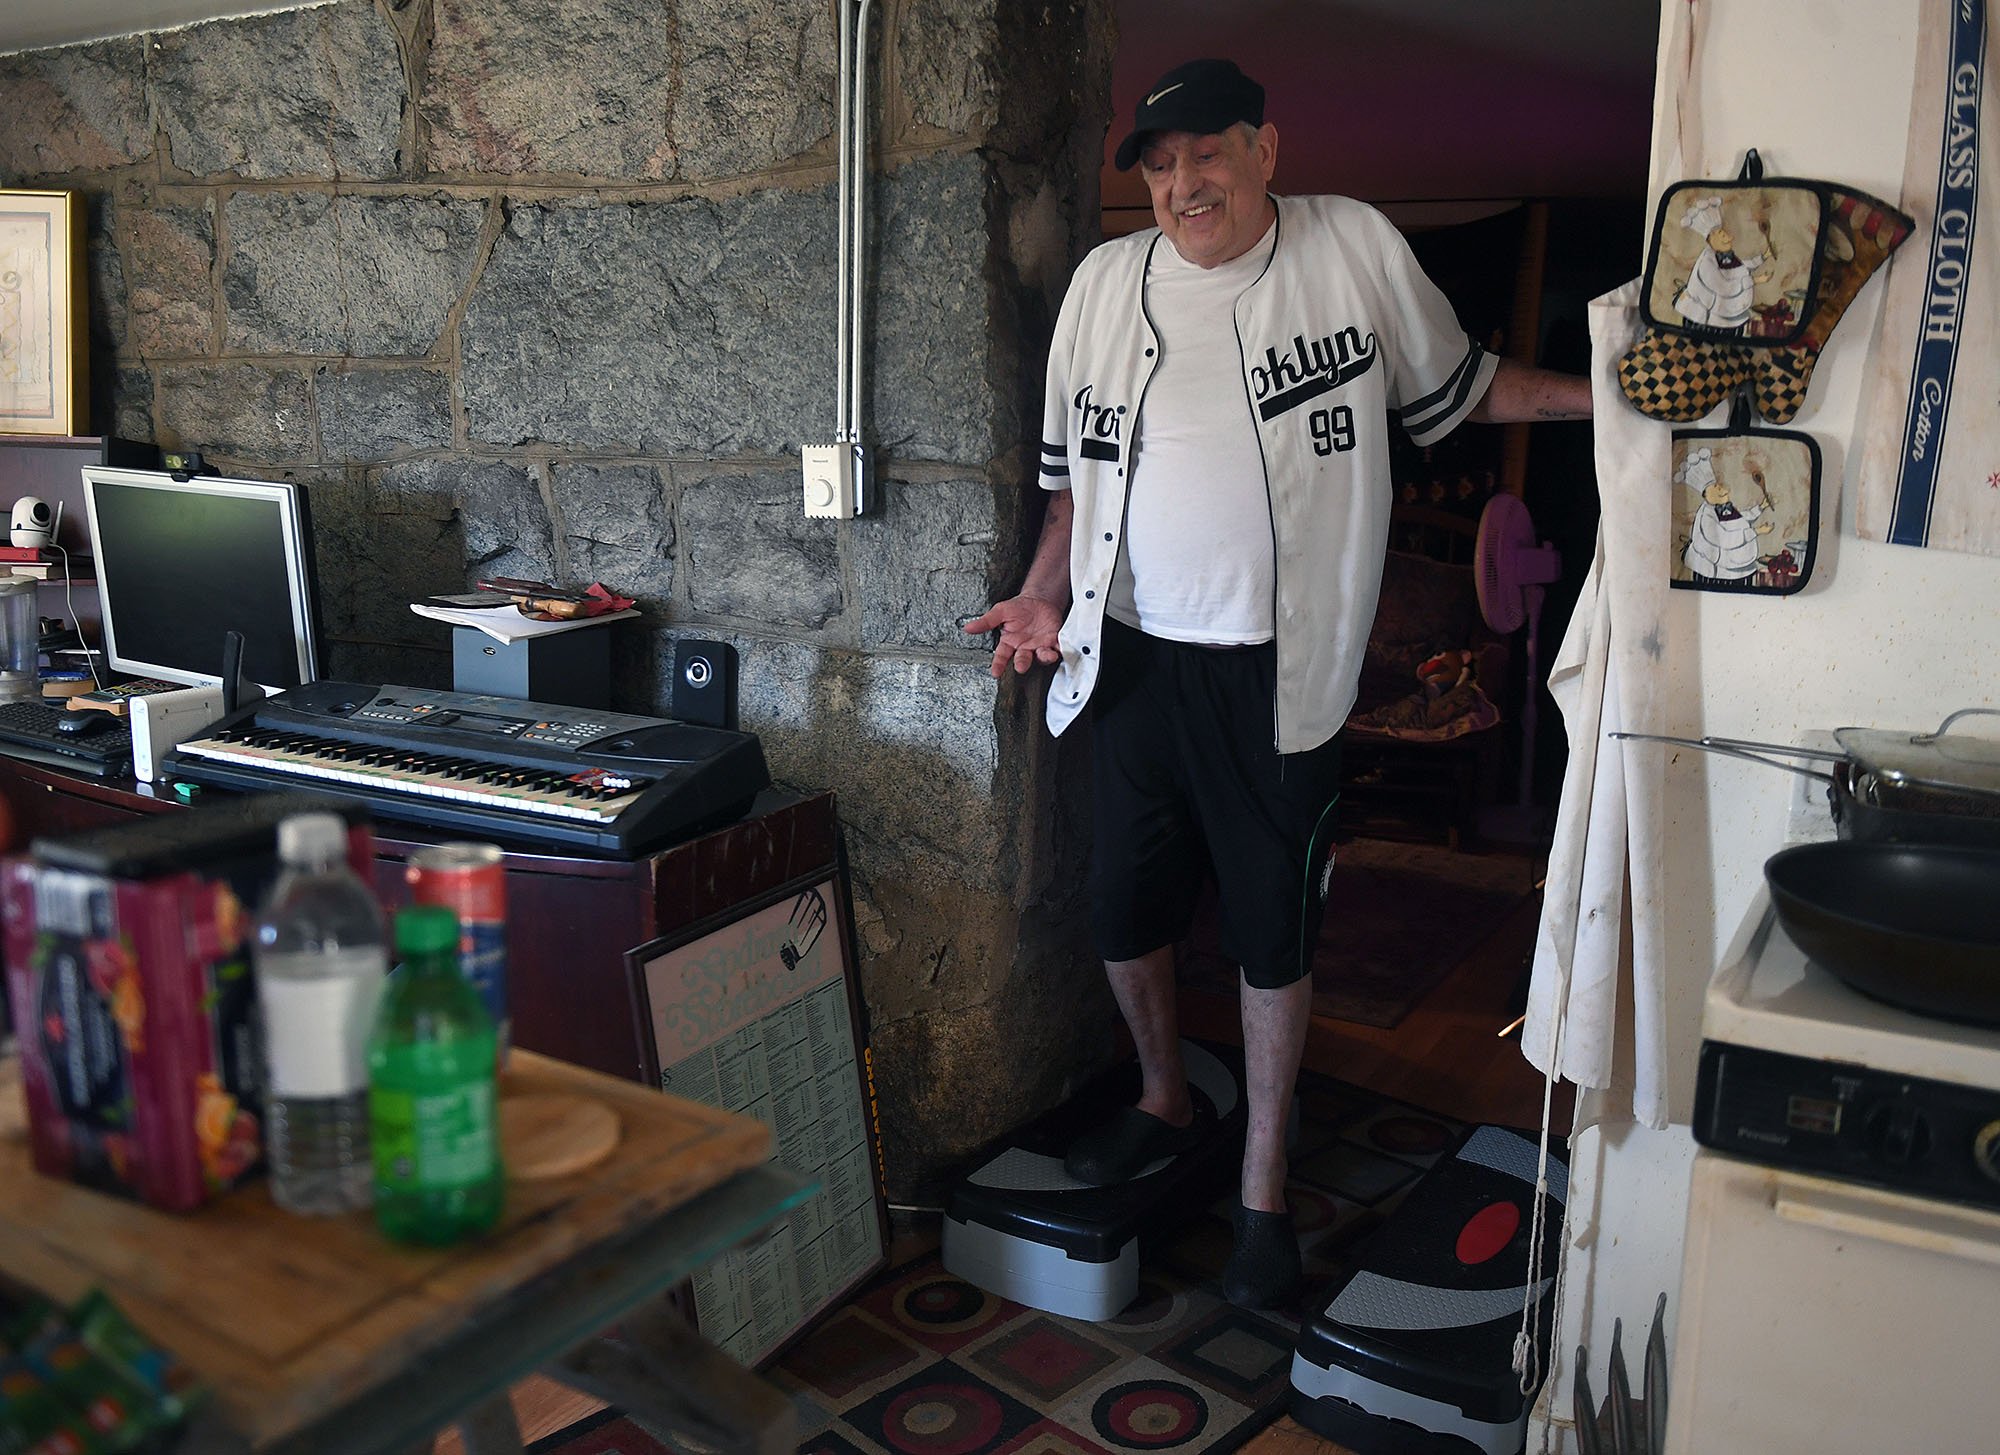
{"x":1745,"y":513}
{"x":1720,"y":287}
{"x":1744,"y":283}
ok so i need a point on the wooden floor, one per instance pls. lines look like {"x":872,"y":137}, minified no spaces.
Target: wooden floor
{"x":541,"y":1407}
{"x":1448,"y":1055}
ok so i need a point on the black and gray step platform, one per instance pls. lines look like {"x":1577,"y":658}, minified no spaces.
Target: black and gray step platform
{"x":1412,"y":1352}
{"x":1020,"y":1227}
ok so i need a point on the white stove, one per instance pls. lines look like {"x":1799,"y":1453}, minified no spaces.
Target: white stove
{"x":1799,"y":1070}
{"x":1840,"y":1285}
{"x":1768,"y":994}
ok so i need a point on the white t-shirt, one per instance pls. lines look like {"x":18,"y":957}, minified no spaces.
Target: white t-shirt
{"x":1195,"y":561}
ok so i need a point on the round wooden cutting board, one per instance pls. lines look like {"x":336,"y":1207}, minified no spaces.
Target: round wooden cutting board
{"x":552,"y":1134}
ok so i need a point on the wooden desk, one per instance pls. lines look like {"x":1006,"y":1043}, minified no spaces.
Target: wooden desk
{"x":571,"y":918}
{"x":317,"y":1336}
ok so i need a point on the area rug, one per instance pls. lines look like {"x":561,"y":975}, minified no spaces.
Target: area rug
{"x":1399,"y":919}
{"x":923,"y":1363}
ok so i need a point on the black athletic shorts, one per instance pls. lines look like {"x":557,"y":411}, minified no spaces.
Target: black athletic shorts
{"x":1188,"y":781}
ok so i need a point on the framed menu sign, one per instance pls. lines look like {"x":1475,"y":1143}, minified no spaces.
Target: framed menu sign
{"x":759,"y":1014}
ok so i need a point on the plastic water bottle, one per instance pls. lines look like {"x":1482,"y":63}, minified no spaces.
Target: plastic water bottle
{"x":432,"y":1094}
{"x":321,"y":956}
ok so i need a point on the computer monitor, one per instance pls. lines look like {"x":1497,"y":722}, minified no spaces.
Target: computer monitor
{"x":180,"y":563}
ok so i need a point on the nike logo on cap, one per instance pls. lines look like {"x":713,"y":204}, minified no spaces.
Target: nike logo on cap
{"x":1154,"y":99}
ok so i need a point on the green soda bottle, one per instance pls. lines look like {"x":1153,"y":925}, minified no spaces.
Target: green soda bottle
{"x":432,"y":1109}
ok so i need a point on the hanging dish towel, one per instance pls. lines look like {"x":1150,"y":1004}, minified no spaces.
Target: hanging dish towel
{"x":1609,"y":821}
{"x":1930,"y":453}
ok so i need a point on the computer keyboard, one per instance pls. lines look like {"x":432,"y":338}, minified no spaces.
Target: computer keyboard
{"x":28,"y":730}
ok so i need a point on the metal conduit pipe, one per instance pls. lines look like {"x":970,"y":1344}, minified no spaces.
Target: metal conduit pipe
{"x":857,"y":174}
{"x":836,"y":475}
{"x":843,"y":126}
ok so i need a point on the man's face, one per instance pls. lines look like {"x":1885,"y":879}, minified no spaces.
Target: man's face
{"x":1209,"y":192}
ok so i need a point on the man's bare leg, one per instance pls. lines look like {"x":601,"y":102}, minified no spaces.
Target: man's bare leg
{"x":1162,"y":1122}
{"x":1263,"y":1270}
{"x":1274,"y":1041}
{"x":1146,"y":996}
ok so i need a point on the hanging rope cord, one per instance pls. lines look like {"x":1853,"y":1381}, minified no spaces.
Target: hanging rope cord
{"x":1527,"y":1357}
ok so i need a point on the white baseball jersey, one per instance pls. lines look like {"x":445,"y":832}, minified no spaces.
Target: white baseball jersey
{"x":1341,"y":327}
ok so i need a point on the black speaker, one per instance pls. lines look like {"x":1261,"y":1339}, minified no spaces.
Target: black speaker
{"x":704,"y":689}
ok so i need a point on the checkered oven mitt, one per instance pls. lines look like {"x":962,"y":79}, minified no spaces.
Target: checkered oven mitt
{"x":1674,"y":376}
{"x":1744,"y":283}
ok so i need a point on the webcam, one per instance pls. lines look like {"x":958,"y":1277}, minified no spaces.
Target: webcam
{"x":34,"y":523}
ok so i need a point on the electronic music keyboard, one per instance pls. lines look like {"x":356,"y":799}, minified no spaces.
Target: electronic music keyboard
{"x":495,"y":766}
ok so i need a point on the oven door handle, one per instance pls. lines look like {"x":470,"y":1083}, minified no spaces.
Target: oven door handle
{"x":1886,"y":1217}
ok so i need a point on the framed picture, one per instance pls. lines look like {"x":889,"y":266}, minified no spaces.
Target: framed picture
{"x":44,"y":329}
{"x":758,"y":1012}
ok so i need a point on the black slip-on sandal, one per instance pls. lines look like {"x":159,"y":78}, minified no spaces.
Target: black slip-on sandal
{"x":1265,"y":1270}
{"x":1123,"y":1145}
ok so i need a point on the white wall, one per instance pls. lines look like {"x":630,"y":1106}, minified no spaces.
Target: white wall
{"x":1885,"y":636}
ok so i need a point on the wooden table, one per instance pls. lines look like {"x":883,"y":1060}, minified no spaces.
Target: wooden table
{"x":318,"y":1336}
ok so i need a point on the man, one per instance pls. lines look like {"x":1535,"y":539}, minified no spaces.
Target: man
{"x":1216,"y":452}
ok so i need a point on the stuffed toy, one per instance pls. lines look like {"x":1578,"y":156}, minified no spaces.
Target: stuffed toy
{"x":1447,"y":703}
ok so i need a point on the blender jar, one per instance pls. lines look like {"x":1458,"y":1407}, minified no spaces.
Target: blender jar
{"x":20,"y":635}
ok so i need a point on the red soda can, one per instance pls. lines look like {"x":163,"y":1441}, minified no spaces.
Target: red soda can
{"x":471,"y":880}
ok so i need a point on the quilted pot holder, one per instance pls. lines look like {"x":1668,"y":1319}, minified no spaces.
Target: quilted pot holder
{"x":1735,"y":260}
{"x":1745,"y":508}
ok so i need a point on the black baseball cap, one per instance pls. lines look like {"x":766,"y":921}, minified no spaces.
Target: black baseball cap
{"x":1201,"y":97}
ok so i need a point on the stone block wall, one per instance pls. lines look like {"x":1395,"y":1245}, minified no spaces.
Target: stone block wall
{"x":546,"y":288}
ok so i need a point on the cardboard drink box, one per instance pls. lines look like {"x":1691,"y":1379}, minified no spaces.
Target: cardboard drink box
{"x":128,"y":970}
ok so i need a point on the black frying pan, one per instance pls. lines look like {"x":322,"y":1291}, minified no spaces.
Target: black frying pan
{"x":1917,"y":925}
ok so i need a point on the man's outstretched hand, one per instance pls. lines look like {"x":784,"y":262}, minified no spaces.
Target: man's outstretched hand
{"x":1028,"y":626}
